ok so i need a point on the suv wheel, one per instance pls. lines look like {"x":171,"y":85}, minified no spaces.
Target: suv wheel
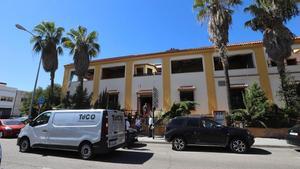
{"x":24,"y":145}
{"x":178,"y":144}
{"x":238,"y":146}
{"x":86,"y":151}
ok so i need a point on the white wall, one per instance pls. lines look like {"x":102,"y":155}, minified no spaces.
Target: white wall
{"x":18,"y":102}
{"x":86,"y":85}
{"x":239,"y":72}
{"x":197,"y":79}
{"x":146,"y":83}
{"x":275,"y":80}
{"x":114,"y":84}
{"x":221,"y":92}
{"x":8,"y":92}
{"x":275,"y":85}
{"x":237,"y":76}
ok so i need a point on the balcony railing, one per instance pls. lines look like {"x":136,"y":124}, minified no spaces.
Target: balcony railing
{"x":147,"y":74}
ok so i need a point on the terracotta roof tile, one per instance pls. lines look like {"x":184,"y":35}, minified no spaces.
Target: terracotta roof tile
{"x":173,"y":50}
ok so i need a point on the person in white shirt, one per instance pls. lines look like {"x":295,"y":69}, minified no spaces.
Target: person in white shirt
{"x":127,"y":124}
{"x":150,"y":126}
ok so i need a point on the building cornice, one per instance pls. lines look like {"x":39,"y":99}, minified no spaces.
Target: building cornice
{"x":176,"y":52}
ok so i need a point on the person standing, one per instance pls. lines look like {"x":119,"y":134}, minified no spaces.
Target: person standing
{"x":129,"y":117}
{"x":138,"y":124}
{"x":150,"y":126}
{"x":145,"y":110}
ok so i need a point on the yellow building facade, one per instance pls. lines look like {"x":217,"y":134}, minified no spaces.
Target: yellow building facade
{"x":190,"y":74}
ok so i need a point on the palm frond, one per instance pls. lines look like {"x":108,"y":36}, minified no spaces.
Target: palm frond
{"x":40,"y":29}
{"x":37,"y":47}
{"x":58,"y":34}
{"x":67,"y":42}
{"x":73,"y":34}
{"x":234,"y":2}
{"x":60,"y":50}
{"x":82,"y":32}
{"x":92,"y":37}
{"x":92,"y":53}
{"x":95,"y":46}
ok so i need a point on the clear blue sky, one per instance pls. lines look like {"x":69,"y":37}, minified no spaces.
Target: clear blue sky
{"x":124,"y":27}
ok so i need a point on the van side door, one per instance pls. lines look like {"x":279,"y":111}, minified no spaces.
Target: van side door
{"x":40,"y":129}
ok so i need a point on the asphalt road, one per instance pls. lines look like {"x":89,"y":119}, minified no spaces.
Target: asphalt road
{"x":158,"y":156}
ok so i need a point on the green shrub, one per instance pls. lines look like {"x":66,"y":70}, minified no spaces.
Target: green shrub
{"x":259,"y":112}
{"x":179,"y":109}
{"x":104,"y":103}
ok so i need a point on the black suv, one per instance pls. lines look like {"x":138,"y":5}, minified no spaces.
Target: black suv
{"x":293,"y":136}
{"x":183,"y":131}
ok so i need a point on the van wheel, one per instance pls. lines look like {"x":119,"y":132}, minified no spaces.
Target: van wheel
{"x":24,"y":145}
{"x":178,"y":144}
{"x":238,"y":145}
{"x":86,"y":151}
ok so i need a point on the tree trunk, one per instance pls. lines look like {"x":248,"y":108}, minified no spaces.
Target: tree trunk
{"x":81,"y":84}
{"x":282,"y":76}
{"x":225,"y":63}
{"x":52,"y":76}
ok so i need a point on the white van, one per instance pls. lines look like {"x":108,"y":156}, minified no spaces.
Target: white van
{"x":85,"y":131}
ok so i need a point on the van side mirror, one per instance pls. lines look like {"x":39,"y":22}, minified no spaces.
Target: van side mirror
{"x":32,"y":123}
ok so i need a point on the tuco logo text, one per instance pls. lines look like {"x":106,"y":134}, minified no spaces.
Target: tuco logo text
{"x":87,"y":116}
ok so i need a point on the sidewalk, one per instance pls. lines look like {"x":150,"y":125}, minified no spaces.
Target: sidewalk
{"x":259,"y":142}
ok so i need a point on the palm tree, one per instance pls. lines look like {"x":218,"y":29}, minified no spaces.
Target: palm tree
{"x":269,"y":17}
{"x":219,"y":16}
{"x":48,"y":42}
{"x":83,"y":47}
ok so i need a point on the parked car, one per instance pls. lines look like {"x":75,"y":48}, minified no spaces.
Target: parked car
{"x":10,"y":127}
{"x":293,"y":136}
{"x":185,"y":131}
{"x":23,"y":119}
{"x":86,"y":131}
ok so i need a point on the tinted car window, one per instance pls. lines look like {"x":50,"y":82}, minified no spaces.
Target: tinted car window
{"x":193,"y":122}
{"x":208,"y":123}
{"x":177,"y":122}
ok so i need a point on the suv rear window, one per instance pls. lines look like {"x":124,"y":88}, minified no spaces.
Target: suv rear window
{"x":194,"y":122}
{"x":177,"y":122}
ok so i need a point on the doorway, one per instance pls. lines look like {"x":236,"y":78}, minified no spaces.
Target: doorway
{"x":142,"y":101}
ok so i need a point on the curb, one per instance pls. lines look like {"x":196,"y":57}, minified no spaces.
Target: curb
{"x":256,"y":146}
{"x":153,"y":142}
{"x":273,"y":146}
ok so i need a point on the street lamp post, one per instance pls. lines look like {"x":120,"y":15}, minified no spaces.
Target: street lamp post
{"x":38,"y":70}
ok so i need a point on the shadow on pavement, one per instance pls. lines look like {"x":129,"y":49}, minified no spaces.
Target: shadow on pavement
{"x":125,"y":157}
{"x":298,"y":150}
{"x":138,"y":146}
{"x":251,"y":151}
{"x":9,"y":138}
{"x":118,"y":156}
